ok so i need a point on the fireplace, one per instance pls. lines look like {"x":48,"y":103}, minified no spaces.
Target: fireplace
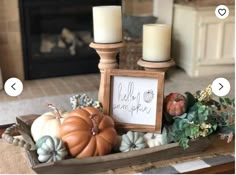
{"x":56,"y":35}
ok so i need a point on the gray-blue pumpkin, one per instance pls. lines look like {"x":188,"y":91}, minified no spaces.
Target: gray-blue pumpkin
{"x":50,"y":149}
{"x":132,"y":141}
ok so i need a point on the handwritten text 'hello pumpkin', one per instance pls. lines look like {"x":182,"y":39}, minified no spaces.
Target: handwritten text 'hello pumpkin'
{"x":130,"y":101}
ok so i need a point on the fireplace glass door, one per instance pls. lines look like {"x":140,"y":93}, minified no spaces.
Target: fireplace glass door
{"x":56,"y":35}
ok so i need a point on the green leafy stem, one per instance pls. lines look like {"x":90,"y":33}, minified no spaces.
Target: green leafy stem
{"x":203,"y":119}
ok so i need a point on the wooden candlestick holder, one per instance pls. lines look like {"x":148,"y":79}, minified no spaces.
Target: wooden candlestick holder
{"x":107,"y":54}
{"x":156,"y":66}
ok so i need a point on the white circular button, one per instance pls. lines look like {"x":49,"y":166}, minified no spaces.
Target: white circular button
{"x":222,"y":12}
{"x":220,"y":87}
{"x":13,"y":87}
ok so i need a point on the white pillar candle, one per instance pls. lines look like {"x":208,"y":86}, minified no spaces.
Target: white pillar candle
{"x":107,"y":24}
{"x":156,"y":42}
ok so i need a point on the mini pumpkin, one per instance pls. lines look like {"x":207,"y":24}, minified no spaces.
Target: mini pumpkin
{"x":155,"y":139}
{"x":50,"y":149}
{"x":88,"y":132}
{"x":175,"y":104}
{"x":48,"y":124}
{"x":132,"y":141}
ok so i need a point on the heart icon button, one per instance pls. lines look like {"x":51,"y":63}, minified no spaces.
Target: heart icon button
{"x":222,"y":12}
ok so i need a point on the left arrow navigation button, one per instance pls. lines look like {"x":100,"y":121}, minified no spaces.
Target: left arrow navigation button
{"x":13,"y":87}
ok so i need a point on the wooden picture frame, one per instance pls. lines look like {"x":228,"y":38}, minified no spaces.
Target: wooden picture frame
{"x":134,"y":99}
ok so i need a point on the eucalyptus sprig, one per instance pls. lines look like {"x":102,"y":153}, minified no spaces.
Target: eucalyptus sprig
{"x":192,"y":125}
{"x":224,"y":115}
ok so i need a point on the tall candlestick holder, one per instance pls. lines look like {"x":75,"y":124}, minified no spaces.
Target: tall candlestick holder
{"x":107,"y":54}
{"x":156,"y":66}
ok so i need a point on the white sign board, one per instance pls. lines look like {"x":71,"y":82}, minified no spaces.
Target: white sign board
{"x":134,"y":100}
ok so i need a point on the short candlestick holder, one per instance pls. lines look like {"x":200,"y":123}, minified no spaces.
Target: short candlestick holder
{"x":107,"y":54}
{"x":156,"y":66}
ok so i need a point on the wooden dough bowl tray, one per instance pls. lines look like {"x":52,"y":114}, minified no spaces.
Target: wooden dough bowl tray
{"x":107,"y":162}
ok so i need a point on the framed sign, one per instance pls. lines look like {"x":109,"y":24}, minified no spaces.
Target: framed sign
{"x":134,"y":99}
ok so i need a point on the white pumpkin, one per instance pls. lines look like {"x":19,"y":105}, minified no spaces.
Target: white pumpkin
{"x":48,"y":124}
{"x":155,"y":139}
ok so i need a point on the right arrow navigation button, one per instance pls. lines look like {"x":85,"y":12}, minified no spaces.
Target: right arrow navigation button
{"x":220,"y":87}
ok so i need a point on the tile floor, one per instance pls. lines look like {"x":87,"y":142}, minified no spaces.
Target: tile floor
{"x":55,"y":86}
{"x":176,"y":81}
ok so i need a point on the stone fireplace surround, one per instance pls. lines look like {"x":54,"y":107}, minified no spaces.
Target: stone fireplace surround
{"x":11,"y":60}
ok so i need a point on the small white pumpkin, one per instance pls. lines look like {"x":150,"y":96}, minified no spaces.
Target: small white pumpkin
{"x":50,"y":149}
{"x":48,"y":124}
{"x":155,"y":139}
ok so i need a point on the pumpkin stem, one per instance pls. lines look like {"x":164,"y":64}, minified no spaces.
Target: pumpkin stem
{"x":94,"y":129}
{"x":153,"y":136}
{"x":179,"y":98}
{"x":58,"y":116}
{"x":133,"y":145}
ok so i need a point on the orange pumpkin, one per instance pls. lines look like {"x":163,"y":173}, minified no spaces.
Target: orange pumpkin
{"x":87,"y":132}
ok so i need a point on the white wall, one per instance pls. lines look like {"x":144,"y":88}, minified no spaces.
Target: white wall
{"x":163,"y":9}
